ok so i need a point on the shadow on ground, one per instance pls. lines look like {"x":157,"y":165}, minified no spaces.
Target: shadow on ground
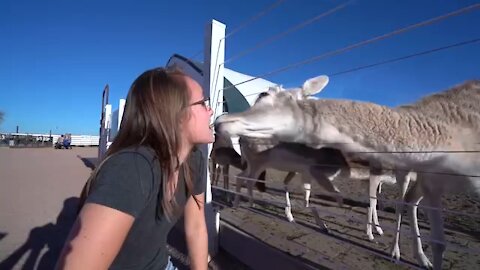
{"x":50,"y":236}
{"x":88,"y":162}
{"x":2,"y":235}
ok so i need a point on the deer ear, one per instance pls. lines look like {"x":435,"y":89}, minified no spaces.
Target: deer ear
{"x":314,"y":85}
{"x":274,"y":89}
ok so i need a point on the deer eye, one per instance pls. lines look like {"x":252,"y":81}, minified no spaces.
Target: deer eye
{"x":262,"y":95}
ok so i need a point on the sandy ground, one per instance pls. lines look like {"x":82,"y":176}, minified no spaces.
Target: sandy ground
{"x":345,"y":245}
{"x":39,"y":188}
{"x":39,"y":191}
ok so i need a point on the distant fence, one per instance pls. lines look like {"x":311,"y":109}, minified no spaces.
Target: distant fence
{"x":81,"y":140}
{"x":18,"y":140}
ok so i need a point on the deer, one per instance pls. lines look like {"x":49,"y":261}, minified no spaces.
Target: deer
{"x":377,"y":170}
{"x":224,"y":155}
{"x":440,"y":146}
{"x":322,"y":165}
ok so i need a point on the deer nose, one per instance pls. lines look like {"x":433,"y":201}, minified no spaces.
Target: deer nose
{"x":217,"y":126}
{"x":218,"y":123}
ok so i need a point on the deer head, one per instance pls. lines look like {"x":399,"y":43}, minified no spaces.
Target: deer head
{"x":274,"y":112}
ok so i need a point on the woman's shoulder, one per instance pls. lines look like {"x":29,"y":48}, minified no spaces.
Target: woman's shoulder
{"x":125,"y":181}
{"x":138,"y":160}
{"x":134,"y":153}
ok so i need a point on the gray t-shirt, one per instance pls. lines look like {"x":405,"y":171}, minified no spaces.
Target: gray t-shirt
{"x":130,"y":182}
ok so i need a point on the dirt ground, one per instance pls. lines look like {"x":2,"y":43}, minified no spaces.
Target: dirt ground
{"x":345,"y":245}
{"x":39,"y":190}
{"x":39,"y":193}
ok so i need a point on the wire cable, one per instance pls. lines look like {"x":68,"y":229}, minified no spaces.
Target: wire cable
{"x":283,"y":34}
{"x":245,"y":23}
{"x":254,"y":18}
{"x":361,"y":43}
{"x":363,"y":199}
{"x":328,"y":212}
{"x":463,"y":43}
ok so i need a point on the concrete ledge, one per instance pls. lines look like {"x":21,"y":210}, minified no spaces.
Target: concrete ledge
{"x":253,"y":252}
{"x":178,"y":250}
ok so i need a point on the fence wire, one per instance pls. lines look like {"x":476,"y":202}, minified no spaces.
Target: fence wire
{"x":382,"y":200}
{"x":273,"y":38}
{"x":452,"y":246}
{"x":361,"y":43}
{"x":391,"y":60}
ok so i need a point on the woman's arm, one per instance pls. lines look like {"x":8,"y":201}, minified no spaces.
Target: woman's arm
{"x":196,"y":232}
{"x":95,"y":238}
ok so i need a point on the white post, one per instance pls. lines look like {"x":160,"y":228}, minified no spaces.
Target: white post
{"x":214,"y":56}
{"x":102,"y":143}
{"x":108,"y":126}
{"x":121,"y":109}
{"x":104,"y":132}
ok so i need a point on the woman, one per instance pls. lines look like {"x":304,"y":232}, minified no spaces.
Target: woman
{"x":144,"y":183}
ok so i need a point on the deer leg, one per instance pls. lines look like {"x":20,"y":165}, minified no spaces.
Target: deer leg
{"x":403,"y":180}
{"x":226,"y":180}
{"x":253,"y":176}
{"x":372,"y":209}
{"x":325,"y":182}
{"x":414,"y":196}
{"x":307,"y":187}
{"x":375,"y":221}
{"x":238,"y":185}
{"x":211,"y":168}
{"x":250,"y":191}
{"x":288,"y":208}
{"x":319,"y":175}
{"x":261,"y":186}
{"x":375,"y":209}
{"x":380,"y":204}
{"x":214,"y":168}
{"x":226,"y":176}
{"x":216,"y":174}
{"x":332,"y":188}
{"x":436,"y":226}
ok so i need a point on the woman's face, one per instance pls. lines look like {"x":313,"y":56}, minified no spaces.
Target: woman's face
{"x":197,"y":126}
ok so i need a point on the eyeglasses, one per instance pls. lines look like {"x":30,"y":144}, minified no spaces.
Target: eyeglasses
{"x":204,"y":102}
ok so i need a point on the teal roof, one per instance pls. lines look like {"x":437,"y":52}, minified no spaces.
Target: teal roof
{"x":234,"y":100}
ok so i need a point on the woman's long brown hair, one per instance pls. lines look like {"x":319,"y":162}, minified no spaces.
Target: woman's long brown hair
{"x":155,"y":106}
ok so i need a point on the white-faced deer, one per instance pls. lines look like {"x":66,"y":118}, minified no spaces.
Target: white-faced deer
{"x":377,"y":169}
{"x":223,"y":156}
{"x":440,"y":144}
{"x":322,"y":165}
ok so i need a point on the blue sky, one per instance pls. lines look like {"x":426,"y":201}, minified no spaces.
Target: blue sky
{"x":57,"y":56}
